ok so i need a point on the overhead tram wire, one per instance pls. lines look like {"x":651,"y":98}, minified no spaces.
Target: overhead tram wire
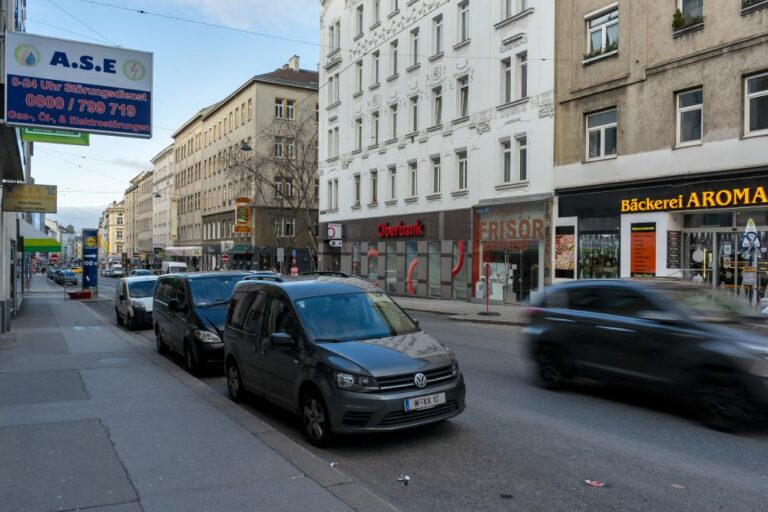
{"x":63,"y":29}
{"x":102,"y":36}
{"x":80,"y":166}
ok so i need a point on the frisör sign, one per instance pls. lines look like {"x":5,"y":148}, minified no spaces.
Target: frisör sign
{"x":69,"y":85}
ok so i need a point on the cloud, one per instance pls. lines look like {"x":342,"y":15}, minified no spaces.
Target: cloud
{"x":279,"y":18}
{"x":79,"y":216}
{"x":133,"y":164}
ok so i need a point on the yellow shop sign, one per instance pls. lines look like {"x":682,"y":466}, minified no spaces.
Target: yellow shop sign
{"x":748,"y":196}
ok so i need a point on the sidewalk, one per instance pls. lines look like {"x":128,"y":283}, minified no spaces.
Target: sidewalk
{"x":463,"y":311}
{"x":91,"y":417}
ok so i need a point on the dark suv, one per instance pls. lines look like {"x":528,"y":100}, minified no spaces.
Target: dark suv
{"x":188,"y":314}
{"x":341,"y":354}
{"x":680,"y":339}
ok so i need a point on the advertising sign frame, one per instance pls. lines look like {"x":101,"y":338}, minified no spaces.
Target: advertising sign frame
{"x":28,"y":198}
{"x":90,"y":258}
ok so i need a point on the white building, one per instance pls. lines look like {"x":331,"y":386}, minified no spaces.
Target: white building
{"x":438,"y":116}
{"x":163,"y":219}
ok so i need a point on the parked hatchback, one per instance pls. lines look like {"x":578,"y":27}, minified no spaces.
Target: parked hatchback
{"x":341,"y":354}
{"x":679,"y":339}
{"x":189,"y":312}
{"x":133,"y":301}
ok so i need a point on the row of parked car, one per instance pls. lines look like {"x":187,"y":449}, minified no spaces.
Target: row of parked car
{"x":63,"y":276}
{"x":335,"y":350}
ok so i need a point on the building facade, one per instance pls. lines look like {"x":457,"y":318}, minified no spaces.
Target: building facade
{"x":143,"y":221}
{"x":113,"y":231}
{"x":163,"y":216}
{"x":228,"y":152}
{"x":436,"y":164}
{"x":661,"y":161}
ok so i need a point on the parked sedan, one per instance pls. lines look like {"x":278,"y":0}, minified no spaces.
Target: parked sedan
{"x":339,"y":353}
{"x":66,"y":278}
{"x":140,"y":272}
{"x":682,"y":340}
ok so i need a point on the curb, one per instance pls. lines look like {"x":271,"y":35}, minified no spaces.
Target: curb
{"x":342,"y":486}
{"x":478,"y":320}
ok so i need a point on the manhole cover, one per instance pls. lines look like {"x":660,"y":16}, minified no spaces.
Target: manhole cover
{"x":114,"y":360}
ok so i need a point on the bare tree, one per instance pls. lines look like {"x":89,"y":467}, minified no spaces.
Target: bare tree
{"x":278,"y":171}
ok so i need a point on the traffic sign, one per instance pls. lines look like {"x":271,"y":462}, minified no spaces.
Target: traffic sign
{"x":224,"y":258}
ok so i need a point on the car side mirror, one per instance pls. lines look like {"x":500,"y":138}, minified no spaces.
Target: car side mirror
{"x":662,"y":317}
{"x":174,"y":305}
{"x":281,"y":339}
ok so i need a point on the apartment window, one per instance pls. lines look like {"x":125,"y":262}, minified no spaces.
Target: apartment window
{"x":359,"y":19}
{"x":119,"y":221}
{"x":691,"y":9}
{"x":375,"y":12}
{"x":506,"y":73}
{"x":237,"y":119}
{"x":414,"y":46}
{"x":330,"y":144}
{"x":330,"y":195}
{"x":333,"y":89}
{"x":336,"y":194}
{"x":512,"y":7}
{"x":250,"y":109}
{"x":414,"y":114}
{"x":437,"y":106}
{"x":603,"y":33}
{"x":413,"y":179}
{"x":463,"y":83}
{"x":393,"y":120}
{"x":393,"y":58}
{"x":462,"y":170}
{"x":356,"y":191}
{"x":464,"y":21}
{"x":601,"y":135}
{"x":290,"y":147}
{"x":522,"y":157}
{"x":375,"y":75}
{"x":392,"y":183}
{"x":522,"y":74}
{"x":394,"y":6}
{"x":437,"y":34}
{"x":284,"y":227}
{"x":336,"y":141}
{"x":756,"y":108}
{"x":359,"y":76}
{"x":289,"y":108}
{"x":375,"y":128}
{"x":359,"y":133}
{"x":436,"y":174}
{"x":690,"y":117}
{"x":374,"y":187}
{"x":278,"y":108}
{"x":119,"y":234}
{"x":506,"y":151}
{"x":278,"y":147}
{"x":283,"y":187}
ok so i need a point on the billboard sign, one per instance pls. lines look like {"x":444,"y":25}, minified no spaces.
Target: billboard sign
{"x":29,"y":198}
{"x":242,"y":218}
{"x":90,"y":258}
{"x":55,"y":136}
{"x":67,"y":85}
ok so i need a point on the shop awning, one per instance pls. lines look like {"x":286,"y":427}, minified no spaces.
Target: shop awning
{"x":189,"y":251}
{"x":35,"y":240}
{"x":240,"y":249}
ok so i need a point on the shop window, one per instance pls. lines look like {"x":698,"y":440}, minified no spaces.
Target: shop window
{"x":599,"y":255}
{"x":356,"y":259}
{"x":601,"y":134}
{"x":690,"y":111}
{"x":411,"y":267}
{"x":715,"y":220}
{"x":460,"y":265}
{"x":759,"y":216}
{"x":434,"y":265}
{"x":373,"y":262}
{"x":391,"y":267}
{"x":756,"y":107}
{"x":565,"y":252}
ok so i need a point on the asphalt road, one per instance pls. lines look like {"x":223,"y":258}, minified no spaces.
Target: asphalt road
{"x":518,"y":447}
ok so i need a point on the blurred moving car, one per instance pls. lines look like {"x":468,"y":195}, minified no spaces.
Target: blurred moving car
{"x":140,"y":272}
{"x":133,"y":301}
{"x":76,"y":270}
{"x":339,"y":353}
{"x":189,"y":312}
{"x":116,"y":271}
{"x":680,"y":339}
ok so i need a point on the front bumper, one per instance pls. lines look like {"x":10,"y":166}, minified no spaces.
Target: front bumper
{"x":353,"y":412}
{"x":143,"y":316}
{"x":210,"y":353}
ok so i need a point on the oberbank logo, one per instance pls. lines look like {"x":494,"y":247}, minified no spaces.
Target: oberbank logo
{"x":134,"y":70}
{"x":26,"y":55}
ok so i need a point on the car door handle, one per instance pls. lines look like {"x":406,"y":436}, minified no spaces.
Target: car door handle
{"x":563,"y":320}
{"x":614,"y":329}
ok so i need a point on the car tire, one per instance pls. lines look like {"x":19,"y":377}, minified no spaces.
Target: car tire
{"x":190,"y":362}
{"x":118,"y":318}
{"x":721,"y":404}
{"x":551,"y":368}
{"x":234,"y":382}
{"x":162,"y":348}
{"x":131,"y":323}
{"x":315,"y":420}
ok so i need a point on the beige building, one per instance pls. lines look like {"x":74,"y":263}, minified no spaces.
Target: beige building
{"x":112,"y":232}
{"x":138,"y":219}
{"x":660,"y":138}
{"x":163,"y":218}
{"x":229,"y":150}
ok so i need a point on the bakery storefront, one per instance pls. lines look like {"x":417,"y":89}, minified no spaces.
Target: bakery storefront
{"x":511,"y":250}
{"x":426,"y":255}
{"x":707,"y":229}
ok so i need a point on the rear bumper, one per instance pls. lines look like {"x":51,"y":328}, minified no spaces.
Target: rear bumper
{"x":362,"y":412}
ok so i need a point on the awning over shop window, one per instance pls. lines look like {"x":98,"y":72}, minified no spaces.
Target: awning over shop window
{"x":190,"y":251}
{"x":35,"y":240}
{"x":240,"y":249}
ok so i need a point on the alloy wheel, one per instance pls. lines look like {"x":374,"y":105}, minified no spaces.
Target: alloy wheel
{"x":550,"y":370}
{"x":724,"y":409}
{"x":234,"y":384}
{"x":315,"y":420}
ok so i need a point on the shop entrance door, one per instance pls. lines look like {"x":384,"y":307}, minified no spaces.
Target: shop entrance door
{"x":522,"y":273}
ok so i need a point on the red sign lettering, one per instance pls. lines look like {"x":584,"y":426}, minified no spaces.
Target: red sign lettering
{"x":386,"y":230}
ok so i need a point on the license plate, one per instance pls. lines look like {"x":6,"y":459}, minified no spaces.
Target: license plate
{"x":424,"y":402}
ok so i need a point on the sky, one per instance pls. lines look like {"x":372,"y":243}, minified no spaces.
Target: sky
{"x":194,"y":66}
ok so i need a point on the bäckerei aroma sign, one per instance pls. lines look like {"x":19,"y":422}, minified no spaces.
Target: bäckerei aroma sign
{"x":745,"y":196}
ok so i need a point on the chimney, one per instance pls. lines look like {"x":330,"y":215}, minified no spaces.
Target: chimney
{"x":293,"y":63}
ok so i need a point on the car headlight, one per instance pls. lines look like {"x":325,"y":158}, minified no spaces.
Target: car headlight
{"x":137,"y":305}
{"x":454,"y":362}
{"x":206,"y":337}
{"x":352,"y":382}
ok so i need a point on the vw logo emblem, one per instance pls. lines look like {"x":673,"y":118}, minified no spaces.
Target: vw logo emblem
{"x":420,"y":380}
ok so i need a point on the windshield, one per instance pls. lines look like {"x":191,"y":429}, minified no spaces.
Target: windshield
{"x":710,"y":304}
{"x":210,"y":291}
{"x":142,"y":273}
{"x":354,"y":316}
{"x":141,"y":289}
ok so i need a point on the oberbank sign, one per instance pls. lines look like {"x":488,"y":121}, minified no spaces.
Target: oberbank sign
{"x":742,"y":196}
{"x":69,"y":85}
